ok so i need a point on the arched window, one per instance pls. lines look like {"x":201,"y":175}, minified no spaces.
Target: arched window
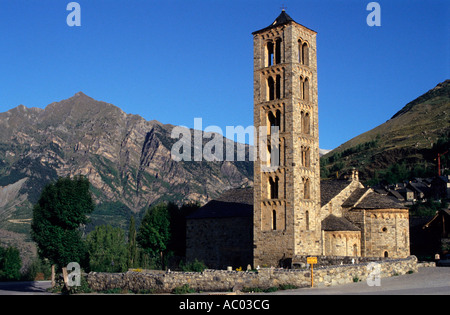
{"x":305,"y":121}
{"x":278,"y":87}
{"x":306,"y":188}
{"x":274,"y":120}
{"x":307,"y":220}
{"x":271,"y":89}
{"x":269,"y":54}
{"x":300,"y":51}
{"x":386,"y":254}
{"x":355,"y":250}
{"x":273,"y":187}
{"x":301,"y":87}
{"x":305,"y":54}
{"x":305,"y":92}
{"x":278,"y":119}
{"x":306,"y":160}
{"x":278,"y":51}
{"x":274,"y":220}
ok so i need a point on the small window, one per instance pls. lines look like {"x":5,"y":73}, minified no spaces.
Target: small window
{"x":307,"y":220}
{"x":306,"y":156}
{"x":273,"y":185}
{"x":306,"y":189}
{"x":271,"y":89}
{"x":269,"y":54}
{"x":278,"y":87}
{"x":305,"y":92}
{"x":305,"y":54}
{"x":278,"y":51}
{"x":386,"y":254}
{"x":384,"y":229}
{"x":274,"y":220}
{"x":299,"y":51}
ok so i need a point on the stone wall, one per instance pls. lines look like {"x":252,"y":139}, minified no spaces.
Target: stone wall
{"x":220,"y":280}
{"x":220,"y":242}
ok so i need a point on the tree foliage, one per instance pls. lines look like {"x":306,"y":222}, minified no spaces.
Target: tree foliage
{"x":133,"y":253}
{"x":10,"y":264}
{"x":107,"y":249}
{"x":154,"y":232}
{"x":57,"y":216}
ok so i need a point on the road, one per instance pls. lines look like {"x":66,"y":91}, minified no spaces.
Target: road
{"x":25,"y":288}
{"x":428,"y":281}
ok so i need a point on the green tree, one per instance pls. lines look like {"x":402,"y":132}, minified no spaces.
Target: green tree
{"x":10,"y":264}
{"x":177,"y":217}
{"x":57,"y":217}
{"x":154,"y":232}
{"x":107,"y":249}
{"x":133,"y":254}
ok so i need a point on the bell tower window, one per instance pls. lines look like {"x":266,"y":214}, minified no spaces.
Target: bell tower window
{"x":270,"y":54}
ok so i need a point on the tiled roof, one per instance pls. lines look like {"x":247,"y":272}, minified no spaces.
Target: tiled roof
{"x":330,"y":189}
{"x":334,"y":223}
{"x":355,"y":197}
{"x":377,"y":201}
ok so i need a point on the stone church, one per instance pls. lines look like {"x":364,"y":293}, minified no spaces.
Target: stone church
{"x":290,"y":213}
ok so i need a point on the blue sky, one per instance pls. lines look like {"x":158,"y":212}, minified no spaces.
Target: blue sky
{"x":174,"y":60}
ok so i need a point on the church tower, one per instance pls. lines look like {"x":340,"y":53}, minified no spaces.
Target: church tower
{"x":287,"y":184}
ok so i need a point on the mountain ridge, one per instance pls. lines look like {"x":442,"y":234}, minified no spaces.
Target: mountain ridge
{"x":126,"y":158}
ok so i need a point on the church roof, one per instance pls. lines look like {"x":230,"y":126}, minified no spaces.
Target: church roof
{"x":355,"y":197}
{"x":334,"y":223}
{"x":330,"y":189}
{"x":236,"y":202}
{"x":376,"y":201}
{"x":282,"y":19}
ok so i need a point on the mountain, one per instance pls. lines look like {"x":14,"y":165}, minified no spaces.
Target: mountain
{"x":407,"y":137}
{"x":126,"y":158}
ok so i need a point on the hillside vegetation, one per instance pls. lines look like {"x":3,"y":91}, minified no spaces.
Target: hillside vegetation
{"x":410,"y":139}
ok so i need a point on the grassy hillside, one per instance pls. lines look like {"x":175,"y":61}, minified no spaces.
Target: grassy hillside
{"x":409,"y":138}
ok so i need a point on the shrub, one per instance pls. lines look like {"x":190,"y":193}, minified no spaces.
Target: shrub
{"x":184,"y":289}
{"x":194,"y":266}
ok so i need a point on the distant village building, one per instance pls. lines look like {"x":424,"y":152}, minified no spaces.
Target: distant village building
{"x":293,"y":213}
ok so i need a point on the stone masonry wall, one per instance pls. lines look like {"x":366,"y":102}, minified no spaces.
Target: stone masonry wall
{"x":220,"y":280}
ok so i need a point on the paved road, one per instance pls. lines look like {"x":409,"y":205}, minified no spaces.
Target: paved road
{"x":428,"y":281}
{"x":24,"y":288}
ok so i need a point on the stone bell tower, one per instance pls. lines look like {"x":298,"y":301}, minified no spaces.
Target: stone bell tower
{"x":286,"y":196}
